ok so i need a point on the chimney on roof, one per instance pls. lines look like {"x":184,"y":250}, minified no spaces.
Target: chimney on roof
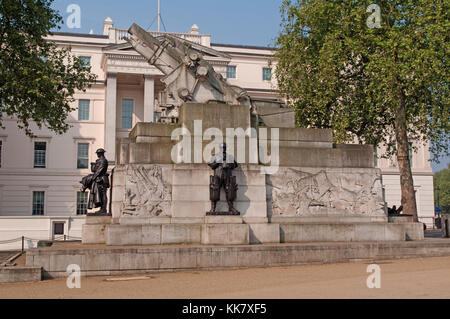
{"x":107,"y":25}
{"x":194,"y":29}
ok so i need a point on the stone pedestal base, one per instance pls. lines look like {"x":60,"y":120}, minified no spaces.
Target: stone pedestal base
{"x":233,"y":230}
{"x":225,"y":234}
{"x":308,"y":232}
{"x":401,"y":219}
{"x":94,"y":229}
{"x":264,"y":233}
{"x":230,"y":230}
{"x":166,"y":234}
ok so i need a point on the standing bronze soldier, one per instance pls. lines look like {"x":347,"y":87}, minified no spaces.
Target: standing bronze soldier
{"x":223,"y":165}
{"x":97,"y":183}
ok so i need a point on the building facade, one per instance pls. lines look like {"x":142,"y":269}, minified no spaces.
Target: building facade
{"x":39,"y":177}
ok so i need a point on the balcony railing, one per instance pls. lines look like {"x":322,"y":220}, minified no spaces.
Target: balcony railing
{"x":120,"y":36}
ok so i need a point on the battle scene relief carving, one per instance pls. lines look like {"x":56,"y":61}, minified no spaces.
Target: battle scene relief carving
{"x":294,"y":192}
{"x":147,"y":192}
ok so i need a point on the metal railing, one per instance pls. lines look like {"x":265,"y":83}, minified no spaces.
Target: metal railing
{"x":122,"y":34}
{"x":61,"y":238}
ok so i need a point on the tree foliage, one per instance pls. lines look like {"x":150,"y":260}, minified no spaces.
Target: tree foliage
{"x":37,"y":79}
{"x":338,"y":73}
{"x":442,"y":180}
{"x":384,"y":86}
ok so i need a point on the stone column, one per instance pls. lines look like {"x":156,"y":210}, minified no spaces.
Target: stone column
{"x":110,"y":116}
{"x":149,"y":98}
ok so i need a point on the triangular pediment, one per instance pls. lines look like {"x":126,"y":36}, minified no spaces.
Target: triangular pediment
{"x":204,"y":50}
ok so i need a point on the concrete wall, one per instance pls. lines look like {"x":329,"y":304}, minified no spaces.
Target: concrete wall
{"x":20,"y":274}
{"x":132,"y":260}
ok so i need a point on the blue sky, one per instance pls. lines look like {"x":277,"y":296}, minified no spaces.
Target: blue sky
{"x":444,"y":163}
{"x":249,"y":22}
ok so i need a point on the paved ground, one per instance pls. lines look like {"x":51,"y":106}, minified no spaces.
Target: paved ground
{"x":406,"y":278}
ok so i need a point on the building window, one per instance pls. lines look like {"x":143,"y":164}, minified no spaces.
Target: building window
{"x":83,"y":155}
{"x":82,"y":203}
{"x":38,"y":203}
{"x":58,"y":228}
{"x":127,"y":113}
{"x":267,"y":74}
{"x":86,"y":60}
{"x":40,"y":149}
{"x":83,"y":110}
{"x":231,"y":72}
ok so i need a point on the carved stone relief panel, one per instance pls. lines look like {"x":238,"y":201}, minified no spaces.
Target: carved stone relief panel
{"x":148,"y":191}
{"x":308,"y":192}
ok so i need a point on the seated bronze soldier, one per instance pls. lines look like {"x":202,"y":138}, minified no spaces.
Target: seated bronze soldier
{"x":97,"y":183}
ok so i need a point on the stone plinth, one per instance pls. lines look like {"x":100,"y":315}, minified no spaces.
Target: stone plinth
{"x":212,"y":230}
{"x":20,"y":274}
{"x":104,"y":261}
{"x":94,"y":229}
{"x":238,"y":233}
{"x":264,"y":233}
{"x":316,"y":191}
{"x":221,"y":116}
{"x":315,"y":232}
{"x":273,"y":114}
{"x":225,"y":234}
{"x":401,"y":219}
{"x":167,"y":234}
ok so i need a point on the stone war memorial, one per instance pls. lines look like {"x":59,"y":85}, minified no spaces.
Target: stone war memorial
{"x":278,"y":195}
{"x":293,"y":184}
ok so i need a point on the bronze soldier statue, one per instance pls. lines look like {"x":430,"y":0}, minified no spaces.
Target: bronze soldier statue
{"x":223,"y":165}
{"x":98,"y":184}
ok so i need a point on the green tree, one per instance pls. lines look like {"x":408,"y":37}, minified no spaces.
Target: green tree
{"x":383,"y":86}
{"x":37,"y":80}
{"x":442,"y":180}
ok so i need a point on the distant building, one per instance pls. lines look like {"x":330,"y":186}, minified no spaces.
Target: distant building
{"x":39,"y":177}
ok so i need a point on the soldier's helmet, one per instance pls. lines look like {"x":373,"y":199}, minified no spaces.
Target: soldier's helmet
{"x":100,"y":151}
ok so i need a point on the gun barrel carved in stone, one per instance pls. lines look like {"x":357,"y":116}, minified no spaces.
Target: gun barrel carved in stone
{"x":187,"y":75}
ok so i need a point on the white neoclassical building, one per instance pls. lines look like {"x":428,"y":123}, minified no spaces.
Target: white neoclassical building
{"x":39,"y":177}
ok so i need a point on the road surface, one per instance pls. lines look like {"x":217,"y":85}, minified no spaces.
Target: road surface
{"x":403,"y":278}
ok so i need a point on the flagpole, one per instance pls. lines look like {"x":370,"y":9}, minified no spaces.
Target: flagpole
{"x":159,"y":15}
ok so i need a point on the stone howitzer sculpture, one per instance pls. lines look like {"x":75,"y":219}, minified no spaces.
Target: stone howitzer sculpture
{"x":188,"y":77}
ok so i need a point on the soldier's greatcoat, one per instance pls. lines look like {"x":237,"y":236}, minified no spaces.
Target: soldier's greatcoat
{"x":99,"y":183}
